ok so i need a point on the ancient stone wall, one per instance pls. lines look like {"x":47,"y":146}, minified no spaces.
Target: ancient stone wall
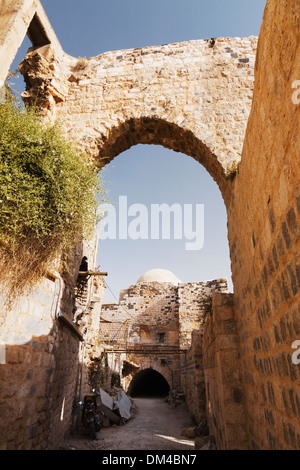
{"x":193,"y":97}
{"x":211,"y":378}
{"x":153,"y":313}
{"x":44,"y":367}
{"x":192,"y":377}
{"x":37,"y":379}
{"x":153,"y":323}
{"x":17,"y":18}
{"x":92,"y":348}
{"x":195,"y":300}
{"x":225,"y":399}
{"x":145,"y":325}
{"x":263,"y":230}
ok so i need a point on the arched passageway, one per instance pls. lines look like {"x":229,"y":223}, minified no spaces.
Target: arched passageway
{"x":153,"y":95}
{"x":148,"y":383}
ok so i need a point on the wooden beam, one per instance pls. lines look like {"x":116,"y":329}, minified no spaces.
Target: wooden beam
{"x":92,"y":273}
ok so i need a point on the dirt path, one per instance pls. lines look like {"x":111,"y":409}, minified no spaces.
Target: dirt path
{"x":156,"y":426}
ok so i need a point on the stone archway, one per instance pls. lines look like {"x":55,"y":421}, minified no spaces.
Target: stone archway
{"x":148,"y":383}
{"x":192,"y":97}
{"x":205,"y":87}
{"x":152,"y":130}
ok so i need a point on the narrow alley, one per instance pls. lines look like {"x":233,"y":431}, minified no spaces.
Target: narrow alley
{"x":155,"y":426}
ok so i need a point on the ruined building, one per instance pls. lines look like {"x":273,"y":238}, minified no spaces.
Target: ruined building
{"x":231,"y":104}
{"x":153,"y":322}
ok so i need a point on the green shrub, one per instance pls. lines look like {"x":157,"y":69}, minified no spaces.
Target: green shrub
{"x":48,"y":192}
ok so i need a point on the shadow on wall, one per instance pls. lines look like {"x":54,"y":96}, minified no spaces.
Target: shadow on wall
{"x":42,"y":385}
{"x":148,"y":383}
{"x":37,"y":384}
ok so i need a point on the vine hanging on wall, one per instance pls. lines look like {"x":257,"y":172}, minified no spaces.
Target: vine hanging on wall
{"x":48,"y":195}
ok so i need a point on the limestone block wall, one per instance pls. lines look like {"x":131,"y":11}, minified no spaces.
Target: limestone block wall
{"x":17,"y":18}
{"x":211,"y":378}
{"x":145,"y":325}
{"x":154,"y":322}
{"x":263,"y":230}
{"x":44,"y":358}
{"x":92,"y":347}
{"x":53,"y":427}
{"x":37,"y":374}
{"x":194,"y":300}
{"x":225,"y":398}
{"x":160,"y":312}
{"x":151,"y":309}
{"x":193,"y":97}
{"x":192,"y":377}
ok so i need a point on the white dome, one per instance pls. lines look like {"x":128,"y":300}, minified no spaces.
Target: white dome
{"x":159,"y":275}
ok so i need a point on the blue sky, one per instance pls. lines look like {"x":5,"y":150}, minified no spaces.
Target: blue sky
{"x":152,"y":174}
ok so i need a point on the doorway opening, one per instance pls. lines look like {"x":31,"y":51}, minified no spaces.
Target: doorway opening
{"x":145,"y":244}
{"x":148,"y":383}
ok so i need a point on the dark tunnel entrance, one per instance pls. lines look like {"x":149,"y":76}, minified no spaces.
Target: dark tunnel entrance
{"x":148,"y":383}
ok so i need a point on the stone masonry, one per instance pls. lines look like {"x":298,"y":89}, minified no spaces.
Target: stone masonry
{"x":221,"y":102}
{"x":191,"y":97}
{"x":263,"y":231}
{"x":153,"y":322}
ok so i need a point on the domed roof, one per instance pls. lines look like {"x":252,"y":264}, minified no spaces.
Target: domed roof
{"x":159,"y":275}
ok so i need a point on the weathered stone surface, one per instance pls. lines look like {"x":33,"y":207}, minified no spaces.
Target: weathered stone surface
{"x":264,"y":209}
{"x":195,"y":98}
{"x":190,"y":97}
{"x":159,"y":317}
{"x":17,"y":18}
{"x":223,"y":380}
{"x":39,"y":371}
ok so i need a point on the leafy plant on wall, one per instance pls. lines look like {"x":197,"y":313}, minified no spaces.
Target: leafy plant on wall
{"x":49,"y":193}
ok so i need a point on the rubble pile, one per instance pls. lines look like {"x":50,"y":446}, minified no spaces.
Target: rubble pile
{"x":205,"y":443}
{"x":175,"y":397}
{"x":202,"y":428}
{"x":203,"y":440}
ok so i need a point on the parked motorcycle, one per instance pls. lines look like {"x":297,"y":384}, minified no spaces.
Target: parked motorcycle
{"x":90,"y":417}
